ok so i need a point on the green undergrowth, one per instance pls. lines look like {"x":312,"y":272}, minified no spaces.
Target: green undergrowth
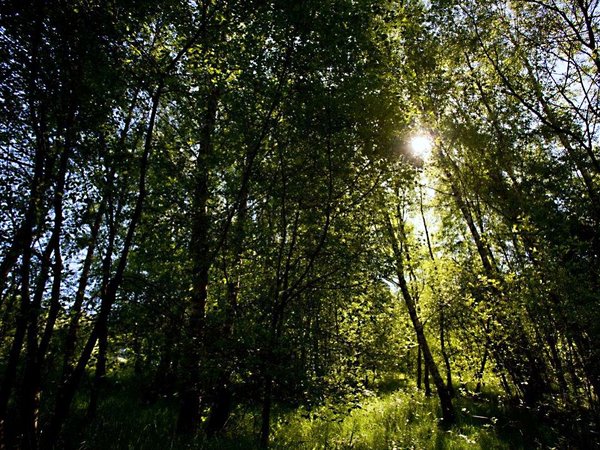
{"x":403,"y":419}
{"x":409,"y":420}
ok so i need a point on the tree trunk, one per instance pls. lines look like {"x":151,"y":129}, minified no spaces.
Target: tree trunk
{"x":67,"y":390}
{"x":419,"y":365}
{"x":100,"y":373}
{"x":444,"y":351}
{"x":36,"y":353}
{"x":441,"y":305}
{"x":23,"y":239}
{"x":265,"y":428}
{"x":443,"y":394}
{"x":426,"y":382}
{"x":479,"y":375}
{"x":22,"y":329}
{"x":189,"y":413}
{"x":75,"y":311}
{"x":222,"y":403}
{"x":520,"y":360}
{"x":222,"y":398}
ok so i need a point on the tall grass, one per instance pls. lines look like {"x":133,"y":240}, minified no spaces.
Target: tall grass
{"x":409,"y":420}
{"x":403,"y":419}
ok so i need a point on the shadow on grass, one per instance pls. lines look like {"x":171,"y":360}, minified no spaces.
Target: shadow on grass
{"x":398,"y":420}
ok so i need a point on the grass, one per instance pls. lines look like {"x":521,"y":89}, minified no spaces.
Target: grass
{"x":409,"y":420}
{"x":403,"y":419}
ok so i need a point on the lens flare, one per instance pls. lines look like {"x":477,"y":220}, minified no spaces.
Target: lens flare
{"x":421,"y":146}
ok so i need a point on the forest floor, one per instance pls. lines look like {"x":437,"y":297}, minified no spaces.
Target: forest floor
{"x":402,"y":419}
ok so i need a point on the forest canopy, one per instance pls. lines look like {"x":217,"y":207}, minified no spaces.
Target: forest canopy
{"x":260,"y":223}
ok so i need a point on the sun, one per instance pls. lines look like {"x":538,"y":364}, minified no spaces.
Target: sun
{"x":421,"y":146}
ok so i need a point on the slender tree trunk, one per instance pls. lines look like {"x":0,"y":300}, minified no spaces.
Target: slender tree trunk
{"x":189,"y":412}
{"x":67,"y":390}
{"x":426,"y":381}
{"x":419,"y":365}
{"x":443,"y":394}
{"x":26,"y":312}
{"x":505,"y":384}
{"x":36,"y":353}
{"x":10,"y":372}
{"x":31,"y":358}
{"x":573,"y":375}
{"x":481,"y":370}
{"x":100,"y":372}
{"x":444,"y":351}
{"x":486,"y":351}
{"x":558,"y":366}
{"x":265,"y":428}
{"x":29,"y":398}
{"x":441,"y":305}
{"x":75,"y":312}
{"x":521,"y":360}
{"x":222,"y":401}
{"x":21,"y":246}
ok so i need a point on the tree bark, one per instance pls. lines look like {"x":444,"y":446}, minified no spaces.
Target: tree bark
{"x":441,"y":306}
{"x":189,"y":412}
{"x":523,"y":364}
{"x":479,"y":374}
{"x":36,"y":353}
{"x":67,"y":390}
{"x":419,"y":367}
{"x":75,"y":311}
{"x":448,"y":414}
{"x":24,"y":235}
{"x":265,"y":428}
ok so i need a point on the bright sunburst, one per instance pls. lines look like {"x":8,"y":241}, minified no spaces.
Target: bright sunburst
{"x":421,"y":146}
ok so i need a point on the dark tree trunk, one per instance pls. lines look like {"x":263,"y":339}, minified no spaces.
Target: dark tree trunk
{"x":419,"y":365}
{"x":75,"y":311}
{"x":441,"y":305}
{"x":222,"y":398}
{"x":520,"y":360}
{"x":443,"y":394}
{"x":449,"y":385}
{"x":23,"y":239}
{"x":107,"y":265}
{"x":69,"y":386}
{"x":29,"y":401}
{"x":479,"y":375}
{"x":426,"y":381}
{"x":100,"y":373}
{"x":222,"y":403}
{"x":265,"y":428}
{"x":189,"y":413}
{"x":36,"y":353}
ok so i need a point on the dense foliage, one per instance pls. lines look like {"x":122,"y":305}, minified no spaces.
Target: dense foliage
{"x":214,"y":207}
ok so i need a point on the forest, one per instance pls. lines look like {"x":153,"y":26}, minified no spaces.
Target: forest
{"x":316,"y":224}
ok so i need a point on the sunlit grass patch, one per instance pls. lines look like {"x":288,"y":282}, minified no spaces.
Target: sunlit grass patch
{"x":403,"y":420}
